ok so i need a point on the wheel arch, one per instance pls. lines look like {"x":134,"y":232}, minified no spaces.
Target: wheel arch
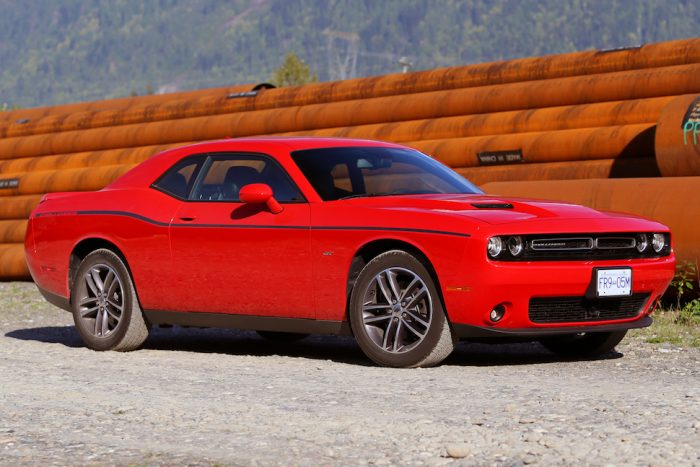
{"x":86,"y":246}
{"x":374,"y":248}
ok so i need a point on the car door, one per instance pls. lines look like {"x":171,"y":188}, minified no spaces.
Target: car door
{"x":233,"y":257}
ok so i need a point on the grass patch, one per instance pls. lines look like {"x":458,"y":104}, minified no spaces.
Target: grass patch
{"x":673,"y":327}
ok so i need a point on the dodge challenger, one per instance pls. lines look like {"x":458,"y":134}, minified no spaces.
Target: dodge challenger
{"x":296,"y":236}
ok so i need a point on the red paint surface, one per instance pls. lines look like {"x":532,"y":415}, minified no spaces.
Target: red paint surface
{"x":240,"y":258}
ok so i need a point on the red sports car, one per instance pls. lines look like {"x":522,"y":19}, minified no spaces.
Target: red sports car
{"x":296,"y":236}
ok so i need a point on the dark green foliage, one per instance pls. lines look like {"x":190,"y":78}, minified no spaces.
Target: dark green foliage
{"x":293,"y":72}
{"x":54,"y":51}
{"x":685,"y":283}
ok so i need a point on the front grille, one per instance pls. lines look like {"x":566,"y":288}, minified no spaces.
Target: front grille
{"x":612,"y":243}
{"x":587,"y":247}
{"x":581,"y":309}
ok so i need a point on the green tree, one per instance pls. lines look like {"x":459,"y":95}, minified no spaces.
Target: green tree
{"x":293,"y":72}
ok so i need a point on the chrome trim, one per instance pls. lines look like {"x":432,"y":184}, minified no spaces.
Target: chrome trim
{"x":536,"y":247}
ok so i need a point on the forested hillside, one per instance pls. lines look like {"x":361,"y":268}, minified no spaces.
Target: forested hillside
{"x":54,"y":51}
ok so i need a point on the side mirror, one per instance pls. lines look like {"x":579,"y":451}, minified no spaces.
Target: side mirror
{"x":260,"y":193}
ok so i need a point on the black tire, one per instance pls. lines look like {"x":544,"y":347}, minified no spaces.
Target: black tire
{"x":586,"y":345}
{"x":427,"y":316}
{"x":276,"y":336}
{"x":110,"y":328}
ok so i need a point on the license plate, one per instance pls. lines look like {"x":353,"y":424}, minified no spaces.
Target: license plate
{"x":613,"y":282}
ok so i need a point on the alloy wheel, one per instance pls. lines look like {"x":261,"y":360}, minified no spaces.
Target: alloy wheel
{"x":397,"y":310}
{"x":101,"y":300}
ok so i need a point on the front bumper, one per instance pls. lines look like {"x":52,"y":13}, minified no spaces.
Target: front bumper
{"x":514,"y":284}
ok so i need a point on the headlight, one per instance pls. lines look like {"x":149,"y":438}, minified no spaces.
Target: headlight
{"x":495,"y":246}
{"x":642,"y":242}
{"x":516,"y":245}
{"x":658,"y":242}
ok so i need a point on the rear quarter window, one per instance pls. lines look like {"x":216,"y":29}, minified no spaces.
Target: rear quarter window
{"x":178,"y":180}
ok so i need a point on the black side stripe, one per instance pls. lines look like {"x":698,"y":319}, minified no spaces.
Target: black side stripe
{"x":391,"y":229}
{"x":250,"y":226}
{"x":124,"y":214}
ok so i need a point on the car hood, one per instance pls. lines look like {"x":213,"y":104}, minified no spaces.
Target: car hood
{"x":488,"y":209}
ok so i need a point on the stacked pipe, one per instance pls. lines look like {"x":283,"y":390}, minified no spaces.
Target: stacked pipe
{"x":592,"y":114}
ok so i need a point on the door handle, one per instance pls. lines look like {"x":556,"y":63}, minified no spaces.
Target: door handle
{"x":187,"y":218}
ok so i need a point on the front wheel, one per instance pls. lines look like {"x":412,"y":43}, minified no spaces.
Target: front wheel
{"x":106,"y":310}
{"x":396,"y":313}
{"x":583,"y":345}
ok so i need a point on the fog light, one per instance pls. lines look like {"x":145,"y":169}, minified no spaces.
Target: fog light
{"x":497,"y":313}
{"x":495,"y":246}
{"x":515,"y":245}
{"x":658,"y":242}
{"x":642,"y":242}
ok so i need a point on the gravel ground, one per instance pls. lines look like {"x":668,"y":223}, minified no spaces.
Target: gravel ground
{"x":204,"y":397}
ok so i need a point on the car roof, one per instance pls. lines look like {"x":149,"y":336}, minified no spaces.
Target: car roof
{"x":293,"y":143}
{"x":145,"y":172}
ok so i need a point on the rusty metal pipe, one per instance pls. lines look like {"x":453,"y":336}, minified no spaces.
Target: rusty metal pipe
{"x":637,"y":84}
{"x":17,"y":207}
{"x":606,"y":168}
{"x":498,"y":123}
{"x":83,"y":159}
{"x":671,"y":201}
{"x":13,"y":265}
{"x":549,"y":119}
{"x":12,"y":231}
{"x":118,"y":103}
{"x":550,"y":146}
{"x":566,"y":145}
{"x":200,"y":103}
{"x":82,"y":179}
{"x":678,"y":137}
{"x":662,"y":54}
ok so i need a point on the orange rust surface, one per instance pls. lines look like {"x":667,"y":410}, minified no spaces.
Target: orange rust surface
{"x":12,"y":231}
{"x":607,"y":168}
{"x":671,"y":201}
{"x":81,"y":179}
{"x":599,"y":143}
{"x":13,"y":265}
{"x":83,"y":159}
{"x":662,"y":54}
{"x":552,"y":146}
{"x":17,"y":207}
{"x":677,"y":141}
{"x":636,"y":84}
{"x":553,"y":118}
{"x":118,"y":103}
{"x":519,"y":121}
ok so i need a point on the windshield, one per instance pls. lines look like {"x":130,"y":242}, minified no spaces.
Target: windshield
{"x":349,"y":172}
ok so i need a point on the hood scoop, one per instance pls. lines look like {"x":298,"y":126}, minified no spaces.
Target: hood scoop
{"x":492,"y":205}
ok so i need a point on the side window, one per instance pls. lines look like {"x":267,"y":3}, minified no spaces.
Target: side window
{"x":226,"y":175}
{"x":178,"y":180}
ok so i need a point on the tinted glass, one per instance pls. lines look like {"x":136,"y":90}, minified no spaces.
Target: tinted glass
{"x":178,"y":180}
{"x":337,"y":173}
{"x":226,"y":175}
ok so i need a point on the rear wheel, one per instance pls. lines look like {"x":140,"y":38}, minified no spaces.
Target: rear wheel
{"x":106,"y":310}
{"x":396,"y":313}
{"x":588,"y":344}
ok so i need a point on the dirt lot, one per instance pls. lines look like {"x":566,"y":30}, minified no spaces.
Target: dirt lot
{"x":221,"y":397}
